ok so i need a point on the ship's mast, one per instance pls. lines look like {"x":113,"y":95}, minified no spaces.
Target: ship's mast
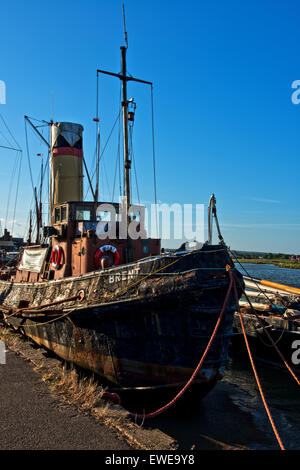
{"x":51,"y":172}
{"x":127,"y":162}
{"x":30,"y":229}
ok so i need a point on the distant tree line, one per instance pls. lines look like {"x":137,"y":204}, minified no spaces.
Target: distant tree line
{"x":276,"y":256}
{"x":264,"y":255}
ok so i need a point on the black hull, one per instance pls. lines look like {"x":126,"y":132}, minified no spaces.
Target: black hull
{"x":143,"y":332}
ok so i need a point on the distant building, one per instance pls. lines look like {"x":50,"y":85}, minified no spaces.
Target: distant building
{"x":18,"y":242}
{"x":295,"y":257}
{"x":8,"y":243}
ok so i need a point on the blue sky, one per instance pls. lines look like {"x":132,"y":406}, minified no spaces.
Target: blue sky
{"x":224,"y":119}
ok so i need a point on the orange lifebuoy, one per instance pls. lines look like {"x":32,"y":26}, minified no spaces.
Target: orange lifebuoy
{"x":102,"y":250}
{"x":56,"y":257}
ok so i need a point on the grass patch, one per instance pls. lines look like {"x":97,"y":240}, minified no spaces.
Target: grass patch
{"x":85,"y":392}
{"x":280,"y":263}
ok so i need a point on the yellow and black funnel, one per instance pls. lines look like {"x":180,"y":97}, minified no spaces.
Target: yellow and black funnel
{"x":67,"y":158}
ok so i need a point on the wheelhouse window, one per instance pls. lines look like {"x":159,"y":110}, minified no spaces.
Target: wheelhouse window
{"x":83,"y":213}
{"x":60,"y":214}
{"x":57,"y":215}
{"x":63,"y":214}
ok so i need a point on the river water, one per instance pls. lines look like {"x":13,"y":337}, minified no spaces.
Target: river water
{"x":233,"y":414}
{"x":270,"y":272}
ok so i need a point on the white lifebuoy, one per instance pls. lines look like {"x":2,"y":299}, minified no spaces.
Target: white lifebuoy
{"x":102,"y":250}
{"x":56,"y":257}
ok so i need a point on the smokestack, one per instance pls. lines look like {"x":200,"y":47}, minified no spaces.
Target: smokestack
{"x":67,"y":173}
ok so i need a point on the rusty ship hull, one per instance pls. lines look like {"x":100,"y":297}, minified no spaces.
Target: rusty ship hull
{"x":141,"y":325}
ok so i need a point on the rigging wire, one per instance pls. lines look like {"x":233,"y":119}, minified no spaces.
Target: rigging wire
{"x":27,"y":220}
{"x":48,"y":187}
{"x":153,"y":157}
{"x":10,"y":133}
{"x":133,"y":161}
{"x":119,"y":152}
{"x":28,"y":157}
{"x":106,"y":143}
{"x":93,"y":166}
{"x":17,"y":192}
{"x":8,"y":141}
{"x":10,"y":186}
{"x":106,"y":178}
{"x":136,"y":179}
{"x":115,"y":177}
{"x":39,"y":120}
{"x":97,"y":167}
{"x":117,"y":165}
{"x":40,"y":177}
{"x":17,"y":161}
{"x":118,"y":157}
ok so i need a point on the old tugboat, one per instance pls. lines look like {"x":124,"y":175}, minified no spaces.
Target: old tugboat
{"x":118,"y":305}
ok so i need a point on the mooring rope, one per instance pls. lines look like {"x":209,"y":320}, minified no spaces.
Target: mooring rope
{"x":46,"y":322}
{"x":285,"y":327}
{"x":270,"y":337}
{"x":56,"y":302}
{"x":232,"y":283}
{"x":253,"y":280}
{"x":174,"y":400}
{"x":254,"y":370}
{"x":193,"y":376}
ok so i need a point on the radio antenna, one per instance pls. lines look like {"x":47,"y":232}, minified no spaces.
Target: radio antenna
{"x":125,"y":32}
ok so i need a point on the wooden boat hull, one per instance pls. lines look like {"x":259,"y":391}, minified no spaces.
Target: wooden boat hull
{"x":274,"y":306}
{"x":284,"y":332}
{"x":134,"y":328}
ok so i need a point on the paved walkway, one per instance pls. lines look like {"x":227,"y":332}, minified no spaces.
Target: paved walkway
{"x":32,"y":418}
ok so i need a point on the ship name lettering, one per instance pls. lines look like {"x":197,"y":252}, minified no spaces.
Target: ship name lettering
{"x":124,"y":275}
